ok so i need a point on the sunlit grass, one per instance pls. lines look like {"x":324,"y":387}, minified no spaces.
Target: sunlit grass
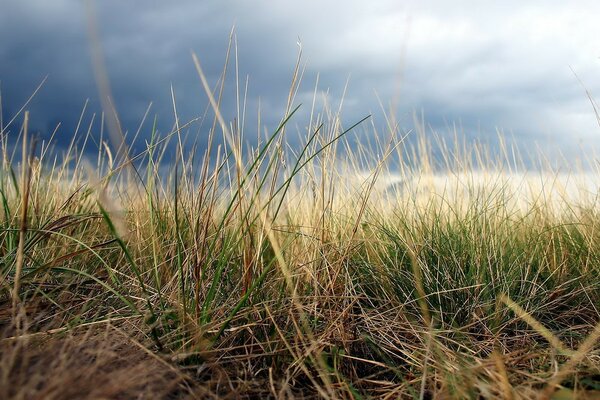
{"x":257,"y":272}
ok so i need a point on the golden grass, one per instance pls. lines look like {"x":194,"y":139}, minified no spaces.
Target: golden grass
{"x":320,"y":273}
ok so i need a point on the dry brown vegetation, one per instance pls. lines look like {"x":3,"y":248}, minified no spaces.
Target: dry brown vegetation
{"x":257,"y":273}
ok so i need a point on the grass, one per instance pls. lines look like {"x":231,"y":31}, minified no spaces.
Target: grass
{"x":321,"y":273}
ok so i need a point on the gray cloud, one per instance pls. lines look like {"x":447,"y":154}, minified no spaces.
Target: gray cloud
{"x":503,"y":65}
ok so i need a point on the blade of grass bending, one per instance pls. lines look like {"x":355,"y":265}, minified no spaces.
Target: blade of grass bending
{"x":38,"y":234}
{"x":535,"y":324}
{"x":227,"y":133}
{"x":255,"y":198}
{"x":265,"y":177}
{"x":91,"y":249}
{"x":297,"y":167}
{"x":244,"y":228}
{"x":295,"y":170}
{"x":321,"y":149}
{"x":284,"y":187}
{"x":264,"y":149}
{"x":252,"y":166}
{"x":218,"y":273}
{"x":221,"y":263}
{"x":41,"y":268}
{"x":577,"y":356}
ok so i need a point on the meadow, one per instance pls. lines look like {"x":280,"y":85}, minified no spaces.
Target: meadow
{"x":329,"y":270}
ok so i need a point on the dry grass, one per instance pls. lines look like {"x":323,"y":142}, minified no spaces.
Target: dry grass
{"x":100,"y":363}
{"x":258,"y":272}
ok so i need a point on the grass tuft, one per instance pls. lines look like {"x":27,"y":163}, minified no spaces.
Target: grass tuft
{"x":259,"y":269}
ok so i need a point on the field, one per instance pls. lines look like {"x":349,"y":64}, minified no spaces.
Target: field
{"x":325,"y":271}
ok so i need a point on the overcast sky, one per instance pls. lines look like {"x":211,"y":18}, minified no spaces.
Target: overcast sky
{"x":481,"y":65}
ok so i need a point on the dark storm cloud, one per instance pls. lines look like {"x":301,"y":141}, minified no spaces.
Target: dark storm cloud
{"x":479,"y":68}
{"x":147,"y":47}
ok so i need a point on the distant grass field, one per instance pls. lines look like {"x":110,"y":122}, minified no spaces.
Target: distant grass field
{"x":319,"y":273}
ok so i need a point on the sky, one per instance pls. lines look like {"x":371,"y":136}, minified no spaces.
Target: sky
{"x":479,"y":67}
